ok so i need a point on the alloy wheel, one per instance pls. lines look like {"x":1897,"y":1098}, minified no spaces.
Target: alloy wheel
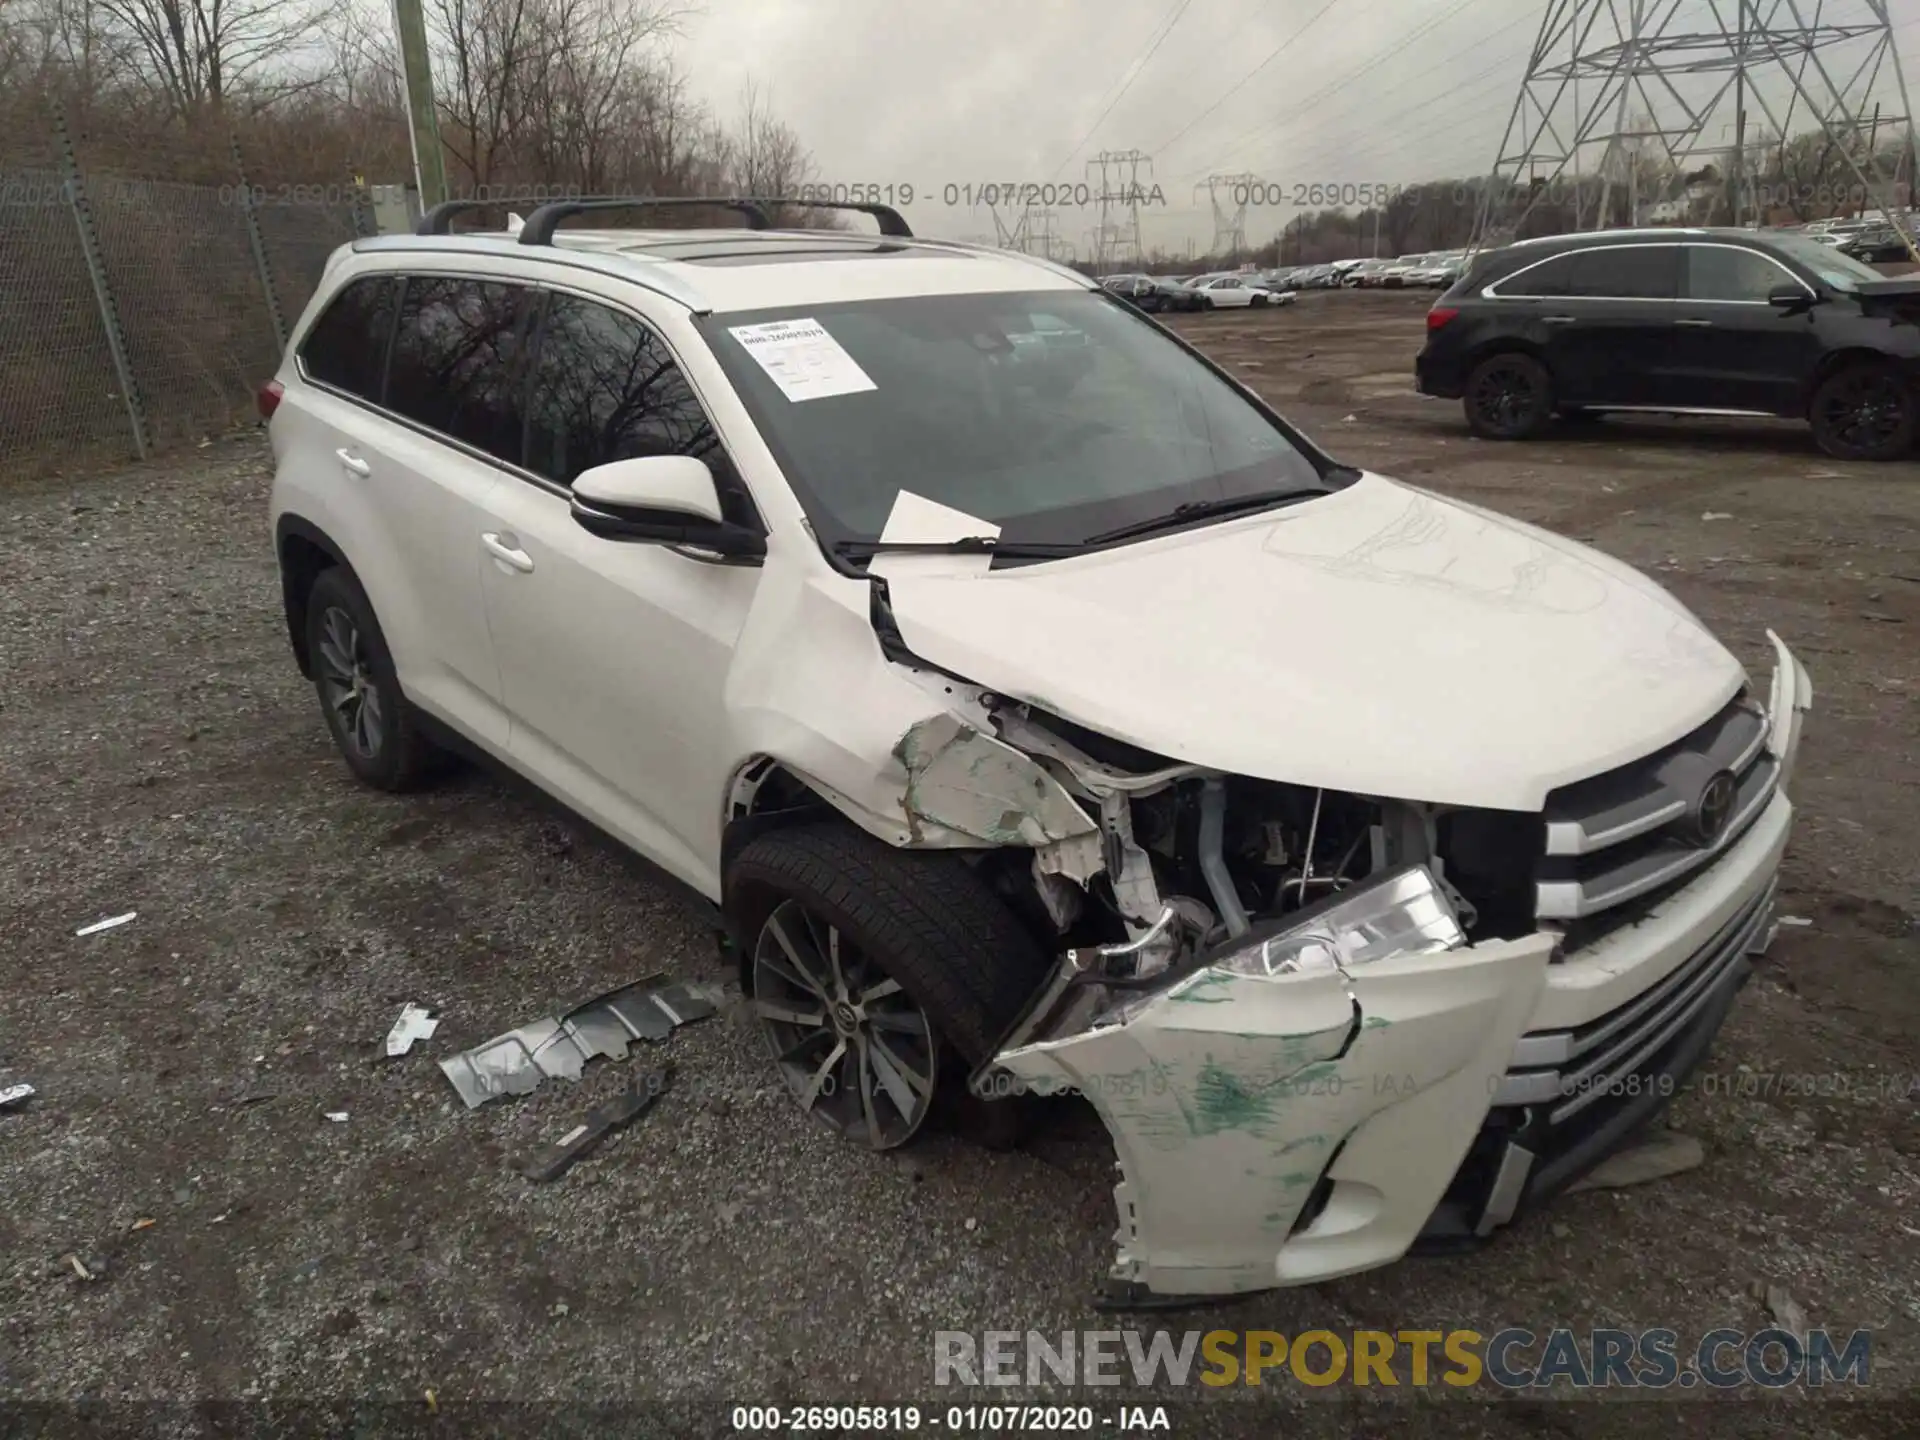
{"x":347,"y":681}
{"x":1866,"y":412}
{"x":1504,"y":397}
{"x":852,"y":1047}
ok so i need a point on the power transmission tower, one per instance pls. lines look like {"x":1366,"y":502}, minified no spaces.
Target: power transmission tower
{"x":1645,"y":86}
{"x":1116,"y":236}
{"x":1034,"y":234}
{"x":1229,"y":224}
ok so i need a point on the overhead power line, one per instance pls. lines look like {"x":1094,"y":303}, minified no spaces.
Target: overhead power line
{"x":1133,"y":73}
{"x":1234,"y":89}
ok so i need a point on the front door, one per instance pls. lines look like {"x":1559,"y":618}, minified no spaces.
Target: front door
{"x":614,"y":655}
{"x":1732,"y":349}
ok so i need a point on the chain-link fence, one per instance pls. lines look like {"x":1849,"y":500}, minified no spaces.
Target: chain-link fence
{"x":137,"y":312}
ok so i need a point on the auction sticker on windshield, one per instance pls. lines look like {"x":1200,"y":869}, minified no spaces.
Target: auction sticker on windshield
{"x":803,"y":359}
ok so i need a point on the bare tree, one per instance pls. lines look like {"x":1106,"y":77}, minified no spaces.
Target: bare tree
{"x":198,"y":55}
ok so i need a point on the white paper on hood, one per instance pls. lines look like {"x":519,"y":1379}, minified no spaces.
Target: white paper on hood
{"x":803,"y":359}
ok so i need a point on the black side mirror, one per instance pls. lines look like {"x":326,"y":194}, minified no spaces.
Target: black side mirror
{"x":660,"y":500}
{"x":669,"y":527}
{"x":1792,"y":299}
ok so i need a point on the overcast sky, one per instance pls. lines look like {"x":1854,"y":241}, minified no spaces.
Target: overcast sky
{"x":939,"y":93}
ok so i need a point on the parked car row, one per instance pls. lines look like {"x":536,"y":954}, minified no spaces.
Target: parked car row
{"x":1219,"y":291}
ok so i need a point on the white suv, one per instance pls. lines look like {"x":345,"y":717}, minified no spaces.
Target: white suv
{"x":1042,"y":712}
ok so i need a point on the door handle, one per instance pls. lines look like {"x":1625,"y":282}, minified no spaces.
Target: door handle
{"x":501,"y":549}
{"x":1695,"y":324}
{"x":353,"y":462}
{"x":1559,"y":319}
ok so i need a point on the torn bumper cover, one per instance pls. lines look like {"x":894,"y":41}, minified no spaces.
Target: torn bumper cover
{"x":1293,"y":1108}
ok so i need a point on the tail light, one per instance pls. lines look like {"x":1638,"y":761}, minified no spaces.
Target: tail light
{"x":1439,"y":316}
{"x":267,"y":398}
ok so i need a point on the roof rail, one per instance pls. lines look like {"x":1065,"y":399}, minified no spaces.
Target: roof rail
{"x":892,"y":223}
{"x":540,"y":225}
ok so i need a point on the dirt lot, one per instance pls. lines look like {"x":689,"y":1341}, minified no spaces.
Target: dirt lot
{"x":158,"y":753}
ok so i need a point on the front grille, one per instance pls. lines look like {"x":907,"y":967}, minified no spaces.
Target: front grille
{"x":1632,"y":833}
{"x":1569,"y":1070}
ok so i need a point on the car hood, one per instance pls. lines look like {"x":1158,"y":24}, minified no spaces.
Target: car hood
{"x":1382,"y":640}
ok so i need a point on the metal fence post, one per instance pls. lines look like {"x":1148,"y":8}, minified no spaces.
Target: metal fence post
{"x":97,"y":273}
{"x":259,"y":244}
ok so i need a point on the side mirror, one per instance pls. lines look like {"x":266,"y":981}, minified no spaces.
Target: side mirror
{"x":1790,"y":298}
{"x":660,"y":500}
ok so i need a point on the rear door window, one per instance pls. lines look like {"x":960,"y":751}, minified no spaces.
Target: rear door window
{"x":347,"y":346}
{"x":455,"y":365}
{"x":1626,"y":272}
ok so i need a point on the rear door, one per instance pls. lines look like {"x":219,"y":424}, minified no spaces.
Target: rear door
{"x":614,"y":656}
{"x":371,"y":458}
{"x":453,"y":420}
{"x":1601,"y":316}
{"x":1732,"y":349}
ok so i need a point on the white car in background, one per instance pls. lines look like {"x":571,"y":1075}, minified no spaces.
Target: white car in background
{"x":1225,"y":292}
{"x":1038,"y":710}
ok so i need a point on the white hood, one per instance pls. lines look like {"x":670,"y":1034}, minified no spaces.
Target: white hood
{"x":1382,"y":640}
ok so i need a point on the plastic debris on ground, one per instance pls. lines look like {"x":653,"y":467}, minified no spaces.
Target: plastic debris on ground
{"x":107,"y":924}
{"x":416,"y":1022}
{"x":1795,"y":922}
{"x":556,"y":1159}
{"x":339,"y":1117}
{"x":1664,"y":1154}
{"x":515,"y":1063}
{"x":13,"y":1094}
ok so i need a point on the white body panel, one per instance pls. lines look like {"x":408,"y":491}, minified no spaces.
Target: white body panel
{"x":1379,"y":640}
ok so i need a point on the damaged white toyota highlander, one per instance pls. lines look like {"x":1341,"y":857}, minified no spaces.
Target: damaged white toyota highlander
{"x":1043,"y":713}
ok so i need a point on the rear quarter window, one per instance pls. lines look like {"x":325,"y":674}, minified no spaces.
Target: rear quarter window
{"x":347,"y":346}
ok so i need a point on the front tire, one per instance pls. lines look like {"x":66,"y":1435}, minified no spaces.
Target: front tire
{"x":1865,"y":412}
{"x":1509,"y":396}
{"x":879,"y":977}
{"x":359,"y":690}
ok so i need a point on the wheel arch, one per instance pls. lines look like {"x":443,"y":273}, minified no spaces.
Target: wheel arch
{"x":303,"y":550}
{"x":1834,"y":362}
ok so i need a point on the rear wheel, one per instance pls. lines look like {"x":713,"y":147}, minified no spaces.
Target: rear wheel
{"x":1865,"y":412}
{"x":879,"y":977}
{"x":358,"y":688}
{"x":1258,"y":302}
{"x":1509,"y":397}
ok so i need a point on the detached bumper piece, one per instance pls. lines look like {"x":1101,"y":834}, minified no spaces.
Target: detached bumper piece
{"x":1573,"y":1097}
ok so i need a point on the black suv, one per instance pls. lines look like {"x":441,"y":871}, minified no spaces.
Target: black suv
{"x":1716,"y":322}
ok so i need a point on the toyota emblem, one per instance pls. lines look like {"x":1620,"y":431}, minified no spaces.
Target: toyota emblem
{"x":1708,"y":819}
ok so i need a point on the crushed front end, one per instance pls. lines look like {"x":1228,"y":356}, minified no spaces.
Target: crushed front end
{"x":1324,"y":1029}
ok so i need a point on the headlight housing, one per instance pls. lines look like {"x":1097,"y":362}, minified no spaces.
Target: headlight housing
{"x":1404,"y":912}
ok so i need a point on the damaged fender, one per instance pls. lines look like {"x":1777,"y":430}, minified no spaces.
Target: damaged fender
{"x":965,"y":781}
{"x":1228,"y":1094}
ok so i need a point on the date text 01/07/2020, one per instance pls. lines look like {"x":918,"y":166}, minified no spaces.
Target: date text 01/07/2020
{"x":1081,"y":194}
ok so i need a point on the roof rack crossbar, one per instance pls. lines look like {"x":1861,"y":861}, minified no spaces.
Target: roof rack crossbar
{"x":892,"y":223}
{"x":541,"y":224}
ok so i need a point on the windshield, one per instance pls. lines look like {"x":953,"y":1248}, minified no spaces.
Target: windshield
{"x":1057,"y":415}
{"x":1842,"y":272}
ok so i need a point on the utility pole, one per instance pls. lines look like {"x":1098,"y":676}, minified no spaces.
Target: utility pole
{"x":423,"y":126}
{"x":1738,"y":164}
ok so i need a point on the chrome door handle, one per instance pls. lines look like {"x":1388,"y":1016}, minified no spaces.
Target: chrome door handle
{"x":353,"y":462}
{"x":1696,"y":324}
{"x":501,"y":549}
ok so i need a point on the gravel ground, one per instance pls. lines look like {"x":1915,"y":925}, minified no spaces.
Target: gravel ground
{"x":159,"y":753}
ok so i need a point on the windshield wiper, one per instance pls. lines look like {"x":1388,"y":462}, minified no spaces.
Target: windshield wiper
{"x":1206,"y":510}
{"x":963,"y":545}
